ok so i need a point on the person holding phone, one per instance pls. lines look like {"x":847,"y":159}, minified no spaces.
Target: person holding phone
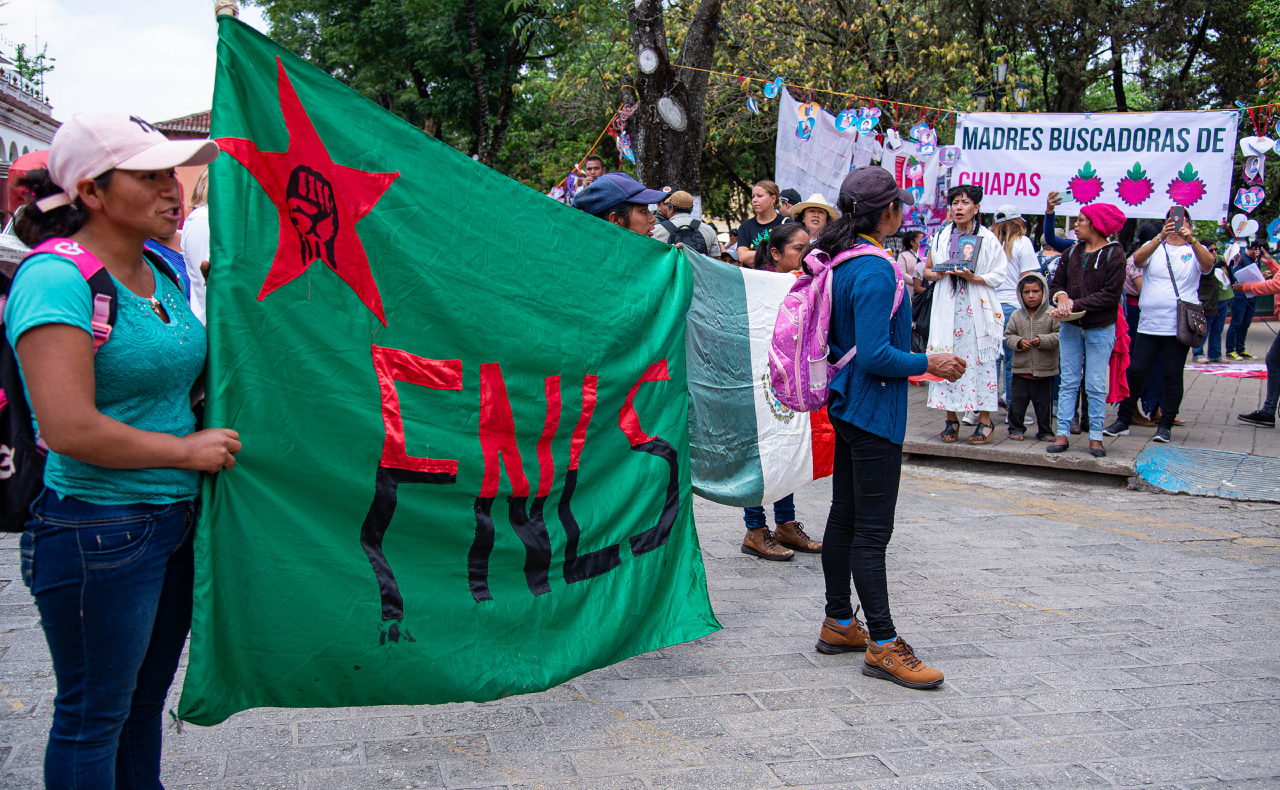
{"x":1179,"y":260}
{"x":1051,"y":238}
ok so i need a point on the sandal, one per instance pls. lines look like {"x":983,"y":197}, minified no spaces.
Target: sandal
{"x":951,"y":432}
{"x":1017,"y":437}
{"x":978,"y":436}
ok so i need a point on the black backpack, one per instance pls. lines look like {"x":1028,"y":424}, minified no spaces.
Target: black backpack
{"x":22,"y":453}
{"x":687,"y":235}
{"x":921,"y":307}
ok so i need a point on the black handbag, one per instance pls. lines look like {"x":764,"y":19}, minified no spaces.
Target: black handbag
{"x":1193,"y":327}
{"x":921,"y":309}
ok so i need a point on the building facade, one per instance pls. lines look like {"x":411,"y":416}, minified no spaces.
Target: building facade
{"x":26,"y":120}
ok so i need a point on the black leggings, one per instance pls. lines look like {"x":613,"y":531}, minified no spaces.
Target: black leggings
{"x":1144,"y":353}
{"x":864,"y":496}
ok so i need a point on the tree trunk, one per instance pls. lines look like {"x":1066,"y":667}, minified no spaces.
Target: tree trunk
{"x":1117,"y":77}
{"x":480,"y":126}
{"x":666,"y":156}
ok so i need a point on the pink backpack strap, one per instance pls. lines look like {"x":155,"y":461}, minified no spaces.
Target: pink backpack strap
{"x":84,"y":260}
{"x":872,"y":249}
{"x":90,"y":268}
{"x":869,"y":249}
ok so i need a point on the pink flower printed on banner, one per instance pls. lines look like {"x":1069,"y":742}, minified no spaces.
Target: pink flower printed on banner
{"x":969,"y":310}
{"x":958,"y":332}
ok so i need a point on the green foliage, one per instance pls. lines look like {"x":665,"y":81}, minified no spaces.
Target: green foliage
{"x":574,"y":60}
{"x":566,"y":101}
{"x":448,"y":66}
{"x":32,"y":67}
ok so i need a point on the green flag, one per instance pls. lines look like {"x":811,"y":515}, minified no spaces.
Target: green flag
{"x":464,"y":415}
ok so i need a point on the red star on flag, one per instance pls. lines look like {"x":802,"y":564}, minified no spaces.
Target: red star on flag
{"x":319,"y":202}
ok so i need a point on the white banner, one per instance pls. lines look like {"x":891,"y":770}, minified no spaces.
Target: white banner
{"x":923,"y":176}
{"x":818,"y":164}
{"x":1144,"y":163}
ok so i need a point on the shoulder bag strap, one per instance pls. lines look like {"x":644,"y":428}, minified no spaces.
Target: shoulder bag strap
{"x":1168,"y":263}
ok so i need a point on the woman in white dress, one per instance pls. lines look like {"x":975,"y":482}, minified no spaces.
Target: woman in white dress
{"x":966,"y":319}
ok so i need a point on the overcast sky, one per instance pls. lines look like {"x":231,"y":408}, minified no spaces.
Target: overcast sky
{"x":149,"y":58}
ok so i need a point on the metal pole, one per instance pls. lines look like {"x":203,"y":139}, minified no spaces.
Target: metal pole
{"x":223,"y":7}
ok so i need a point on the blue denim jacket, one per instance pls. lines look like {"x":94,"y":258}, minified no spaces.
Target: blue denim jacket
{"x":871,"y":391}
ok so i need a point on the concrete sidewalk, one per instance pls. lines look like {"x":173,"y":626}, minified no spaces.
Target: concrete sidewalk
{"x":1209,"y":406}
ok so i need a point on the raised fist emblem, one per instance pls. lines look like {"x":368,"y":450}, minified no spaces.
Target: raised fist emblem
{"x":312,"y":211}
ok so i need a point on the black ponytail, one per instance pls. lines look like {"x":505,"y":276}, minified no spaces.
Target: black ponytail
{"x":34,"y":226}
{"x":778,"y":239}
{"x":842,"y":233}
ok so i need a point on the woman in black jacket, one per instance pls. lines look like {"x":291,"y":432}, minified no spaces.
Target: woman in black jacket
{"x":1085,"y":292}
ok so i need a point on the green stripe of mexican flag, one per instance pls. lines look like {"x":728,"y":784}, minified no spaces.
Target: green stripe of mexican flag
{"x":746,"y":448}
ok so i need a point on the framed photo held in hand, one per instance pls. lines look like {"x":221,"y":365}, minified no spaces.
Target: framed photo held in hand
{"x":963,"y":253}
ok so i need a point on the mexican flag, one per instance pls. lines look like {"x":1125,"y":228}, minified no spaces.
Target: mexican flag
{"x":464,"y":413}
{"x":746,"y":448}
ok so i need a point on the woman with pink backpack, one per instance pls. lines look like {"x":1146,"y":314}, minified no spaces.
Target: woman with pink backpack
{"x":868,"y":409}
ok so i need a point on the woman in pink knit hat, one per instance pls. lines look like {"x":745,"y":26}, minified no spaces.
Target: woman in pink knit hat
{"x":1085,"y":292}
{"x":1171,"y":266}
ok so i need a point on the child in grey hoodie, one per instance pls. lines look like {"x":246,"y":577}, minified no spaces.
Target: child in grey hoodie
{"x":1033,"y":336}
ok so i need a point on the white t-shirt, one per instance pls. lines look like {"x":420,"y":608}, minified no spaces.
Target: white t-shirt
{"x":195,"y":249}
{"x":1024,"y":260}
{"x":1158,"y":302}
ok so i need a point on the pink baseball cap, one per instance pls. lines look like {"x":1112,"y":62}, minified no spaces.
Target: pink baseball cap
{"x":90,"y":144}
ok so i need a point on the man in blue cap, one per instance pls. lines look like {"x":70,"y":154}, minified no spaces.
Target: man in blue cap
{"x":620,"y":199}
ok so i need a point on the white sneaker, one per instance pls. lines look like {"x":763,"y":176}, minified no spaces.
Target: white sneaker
{"x":970,"y":418}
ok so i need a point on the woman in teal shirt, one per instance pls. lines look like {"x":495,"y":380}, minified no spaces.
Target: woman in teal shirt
{"x":107,"y":552}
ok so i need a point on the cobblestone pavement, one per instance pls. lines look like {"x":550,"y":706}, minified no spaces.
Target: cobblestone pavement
{"x":1092,"y":637}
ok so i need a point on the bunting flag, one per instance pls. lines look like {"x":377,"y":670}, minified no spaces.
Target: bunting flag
{"x":746,"y":448}
{"x":465,"y":471}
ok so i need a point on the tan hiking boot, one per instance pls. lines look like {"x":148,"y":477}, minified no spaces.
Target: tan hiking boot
{"x":762,"y":544}
{"x":791,"y":535}
{"x":896,"y":661}
{"x":836,"y":638}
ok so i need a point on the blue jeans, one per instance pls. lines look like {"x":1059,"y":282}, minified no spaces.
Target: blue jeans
{"x":113,"y":586}
{"x":1084,"y":353}
{"x":1213,"y":341}
{"x":1007,"y":359}
{"x":784,"y":510}
{"x":1241,"y":316}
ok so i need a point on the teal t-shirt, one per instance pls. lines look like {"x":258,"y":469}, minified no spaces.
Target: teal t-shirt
{"x":143,"y":374}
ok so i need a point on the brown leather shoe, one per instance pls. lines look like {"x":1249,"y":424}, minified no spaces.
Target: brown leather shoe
{"x":896,"y":661}
{"x":836,"y":638}
{"x":762,"y":544}
{"x":791,"y":535}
